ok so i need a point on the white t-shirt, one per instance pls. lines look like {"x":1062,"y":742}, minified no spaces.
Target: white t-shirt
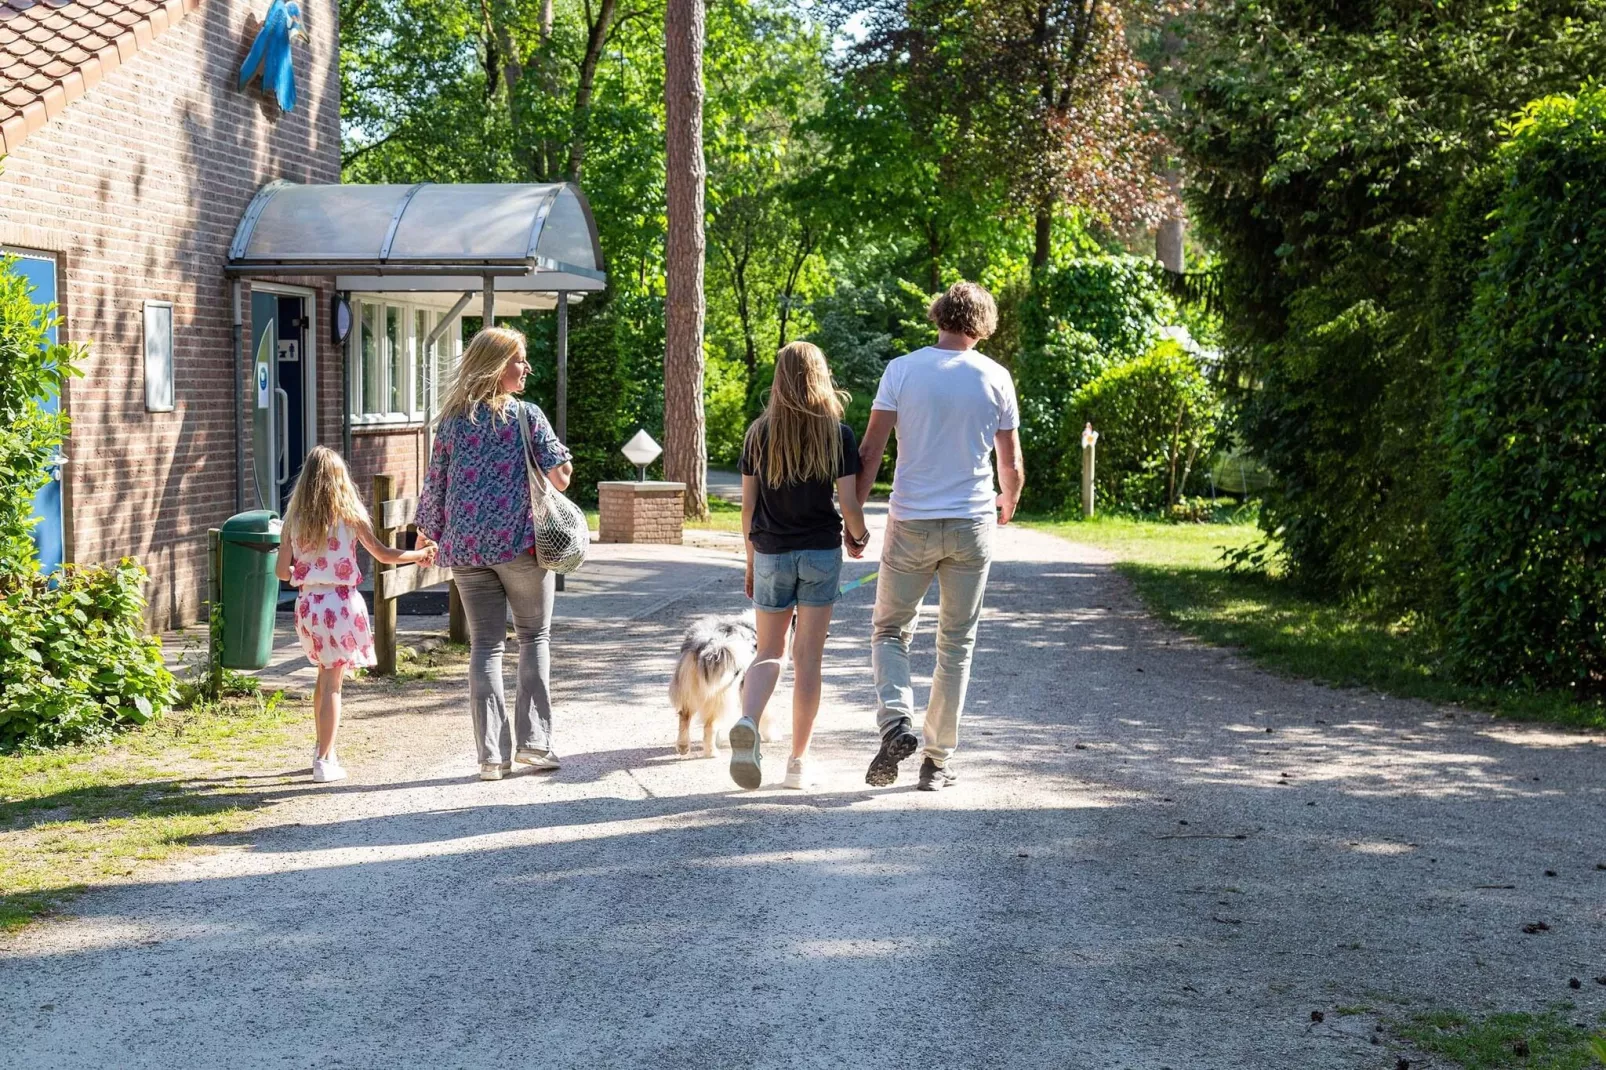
{"x":950,"y":405}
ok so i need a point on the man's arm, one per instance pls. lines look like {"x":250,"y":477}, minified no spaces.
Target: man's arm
{"x":1011,"y":473}
{"x":872,"y":447}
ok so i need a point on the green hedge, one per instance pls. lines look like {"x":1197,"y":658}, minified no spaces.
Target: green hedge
{"x":1159,"y":421}
{"x":75,"y":661}
{"x":1527,"y":415}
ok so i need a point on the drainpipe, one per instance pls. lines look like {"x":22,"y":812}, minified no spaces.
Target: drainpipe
{"x":345,"y":386}
{"x":239,"y":413}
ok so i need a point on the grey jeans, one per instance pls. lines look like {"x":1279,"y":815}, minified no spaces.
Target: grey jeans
{"x":959,"y":553}
{"x":487,"y":593}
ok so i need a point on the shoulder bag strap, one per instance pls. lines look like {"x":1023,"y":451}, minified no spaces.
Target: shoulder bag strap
{"x":532,"y":471}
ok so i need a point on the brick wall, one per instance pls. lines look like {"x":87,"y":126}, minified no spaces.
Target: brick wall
{"x":136,"y":189}
{"x":640,"y":512}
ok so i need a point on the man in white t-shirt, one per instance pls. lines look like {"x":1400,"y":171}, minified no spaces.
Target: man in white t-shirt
{"x":952,"y":408}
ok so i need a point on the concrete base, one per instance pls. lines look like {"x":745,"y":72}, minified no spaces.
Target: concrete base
{"x":641,"y":512}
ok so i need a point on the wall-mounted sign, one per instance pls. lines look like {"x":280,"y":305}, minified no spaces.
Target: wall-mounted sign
{"x":289,"y":350}
{"x":270,"y":53}
{"x":264,"y":388}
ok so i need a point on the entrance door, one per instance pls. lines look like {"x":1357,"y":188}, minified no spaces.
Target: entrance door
{"x":49,"y":533}
{"x":278,"y":345}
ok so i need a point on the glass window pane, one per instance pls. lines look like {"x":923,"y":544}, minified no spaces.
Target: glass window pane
{"x":396,"y":359}
{"x":446,"y":354}
{"x":373,"y":372}
{"x":423,"y":320}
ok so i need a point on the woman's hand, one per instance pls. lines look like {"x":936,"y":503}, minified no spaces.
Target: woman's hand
{"x":855,"y":547}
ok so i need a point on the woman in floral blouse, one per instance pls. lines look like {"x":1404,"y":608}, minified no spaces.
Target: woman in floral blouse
{"x":475,"y":505}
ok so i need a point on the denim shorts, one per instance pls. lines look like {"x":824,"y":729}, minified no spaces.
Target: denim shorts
{"x":797,"y":577}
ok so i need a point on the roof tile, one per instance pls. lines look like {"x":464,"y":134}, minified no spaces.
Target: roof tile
{"x":52,"y":51}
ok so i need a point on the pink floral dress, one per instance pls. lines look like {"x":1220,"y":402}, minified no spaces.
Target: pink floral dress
{"x":331,"y":617}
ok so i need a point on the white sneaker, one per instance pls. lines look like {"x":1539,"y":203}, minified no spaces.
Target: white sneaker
{"x":326,"y":771}
{"x":494,"y":770}
{"x":542,"y":760}
{"x":798,"y":774}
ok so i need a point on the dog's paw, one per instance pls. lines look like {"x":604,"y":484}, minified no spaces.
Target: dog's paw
{"x":774,"y":735}
{"x":682,"y":749}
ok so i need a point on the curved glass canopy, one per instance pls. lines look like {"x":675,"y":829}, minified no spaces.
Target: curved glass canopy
{"x":424,"y":237}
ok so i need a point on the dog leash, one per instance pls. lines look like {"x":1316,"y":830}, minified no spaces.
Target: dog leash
{"x":853,"y":585}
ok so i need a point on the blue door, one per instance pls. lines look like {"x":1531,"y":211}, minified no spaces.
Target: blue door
{"x":49,"y":534}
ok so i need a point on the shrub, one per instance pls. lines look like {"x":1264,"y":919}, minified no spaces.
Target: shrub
{"x":30,"y":368}
{"x":1527,"y":415}
{"x":75,"y":661}
{"x":1158,"y":419}
{"x":1082,"y":316}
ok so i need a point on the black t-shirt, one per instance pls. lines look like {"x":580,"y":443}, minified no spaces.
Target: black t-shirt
{"x":797,"y":516}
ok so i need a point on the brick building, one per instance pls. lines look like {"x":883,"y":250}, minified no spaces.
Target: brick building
{"x":194,"y":236}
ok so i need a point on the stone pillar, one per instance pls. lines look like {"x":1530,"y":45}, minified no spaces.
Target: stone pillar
{"x":640,"y":512}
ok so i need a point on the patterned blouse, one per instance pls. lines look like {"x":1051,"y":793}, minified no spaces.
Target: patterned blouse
{"x":475,"y":501}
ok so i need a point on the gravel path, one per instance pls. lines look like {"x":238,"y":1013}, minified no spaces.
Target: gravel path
{"x":1157,"y":856}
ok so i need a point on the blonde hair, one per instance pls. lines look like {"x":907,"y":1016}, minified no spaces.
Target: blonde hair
{"x":799,"y":433}
{"x":323,"y":498}
{"x":965,"y":309}
{"x":479,"y":374}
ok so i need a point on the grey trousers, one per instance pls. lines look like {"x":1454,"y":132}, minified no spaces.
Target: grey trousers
{"x":487,"y":593}
{"x":959,"y":553}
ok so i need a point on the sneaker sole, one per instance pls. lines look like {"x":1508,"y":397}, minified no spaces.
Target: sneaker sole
{"x":884,"y":766}
{"x":747,"y":765}
{"x":540,"y":765}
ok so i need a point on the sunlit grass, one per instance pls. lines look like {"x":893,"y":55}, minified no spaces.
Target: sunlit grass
{"x":1177,"y":571}
{"x":1552,"y":1040}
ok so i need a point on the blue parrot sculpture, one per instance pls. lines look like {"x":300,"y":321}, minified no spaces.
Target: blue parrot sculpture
{"x":270,"y":54}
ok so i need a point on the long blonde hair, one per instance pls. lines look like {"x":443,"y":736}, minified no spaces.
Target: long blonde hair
{"x":479,"y":374}
{"x":798,"y":438}
{"x":324,"y":497}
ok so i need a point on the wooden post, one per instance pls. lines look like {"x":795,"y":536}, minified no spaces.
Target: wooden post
{"x":456,"y":620}
{"x":214,"y":616}
{"x":1090,"y":439}
{"x":384,"y":608}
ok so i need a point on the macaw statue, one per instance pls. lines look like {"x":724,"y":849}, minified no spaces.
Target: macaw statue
{"x":270,"y":54}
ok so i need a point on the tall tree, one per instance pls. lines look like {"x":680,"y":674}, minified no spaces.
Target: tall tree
{"x":685,"y":445}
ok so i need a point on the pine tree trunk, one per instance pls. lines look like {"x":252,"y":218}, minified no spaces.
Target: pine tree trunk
{"x":685,"y":445}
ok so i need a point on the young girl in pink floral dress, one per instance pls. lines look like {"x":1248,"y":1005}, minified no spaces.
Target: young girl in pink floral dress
{"x":323,"y":524}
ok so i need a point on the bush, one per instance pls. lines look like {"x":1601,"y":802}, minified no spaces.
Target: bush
{"x":30,"y":368}
{"x":75,"y":661}
{"x":1081,"y":317}
{"x":1158,"y":420}
{"x":1527,"y":415}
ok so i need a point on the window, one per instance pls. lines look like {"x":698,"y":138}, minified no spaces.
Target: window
{"x":158,"y":356}
{"x":394,"y":381}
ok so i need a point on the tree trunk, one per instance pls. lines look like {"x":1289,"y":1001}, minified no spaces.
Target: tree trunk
{"x":596,"y":40}
{"x":1042,"y":242}
{"x":685,"y":445}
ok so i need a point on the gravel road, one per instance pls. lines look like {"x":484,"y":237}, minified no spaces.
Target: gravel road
{"x":1156,"y":856}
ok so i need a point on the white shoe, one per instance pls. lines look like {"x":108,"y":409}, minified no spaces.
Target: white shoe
{"x":541,"y":760}
{"x":494,"y":770}
{"x":798,"y":774}
{"x":326,"y":771}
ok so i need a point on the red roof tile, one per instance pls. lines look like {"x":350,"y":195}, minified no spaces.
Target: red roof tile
{"x":45,"y":46}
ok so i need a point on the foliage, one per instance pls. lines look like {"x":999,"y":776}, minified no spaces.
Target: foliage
{"x":74,"y":657}
{"x":30,"y":368}
{"x":1527,"y":421}
{"x":1327,"y":142}
{"x":1158,"y":419}
{"x":1082,"y":316}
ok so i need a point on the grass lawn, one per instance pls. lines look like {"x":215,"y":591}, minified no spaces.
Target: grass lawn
{"x":1552,"y":1040}
{"x":82,"y":815}
{"x":1176,"y":569}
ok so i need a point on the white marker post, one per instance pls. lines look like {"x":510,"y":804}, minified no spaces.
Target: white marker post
{"x":1090,"y":438}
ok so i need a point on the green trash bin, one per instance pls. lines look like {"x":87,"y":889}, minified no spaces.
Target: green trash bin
{"x":248,"y":545}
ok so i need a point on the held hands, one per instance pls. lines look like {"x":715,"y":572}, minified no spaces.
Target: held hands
{"x":855,"y":547}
